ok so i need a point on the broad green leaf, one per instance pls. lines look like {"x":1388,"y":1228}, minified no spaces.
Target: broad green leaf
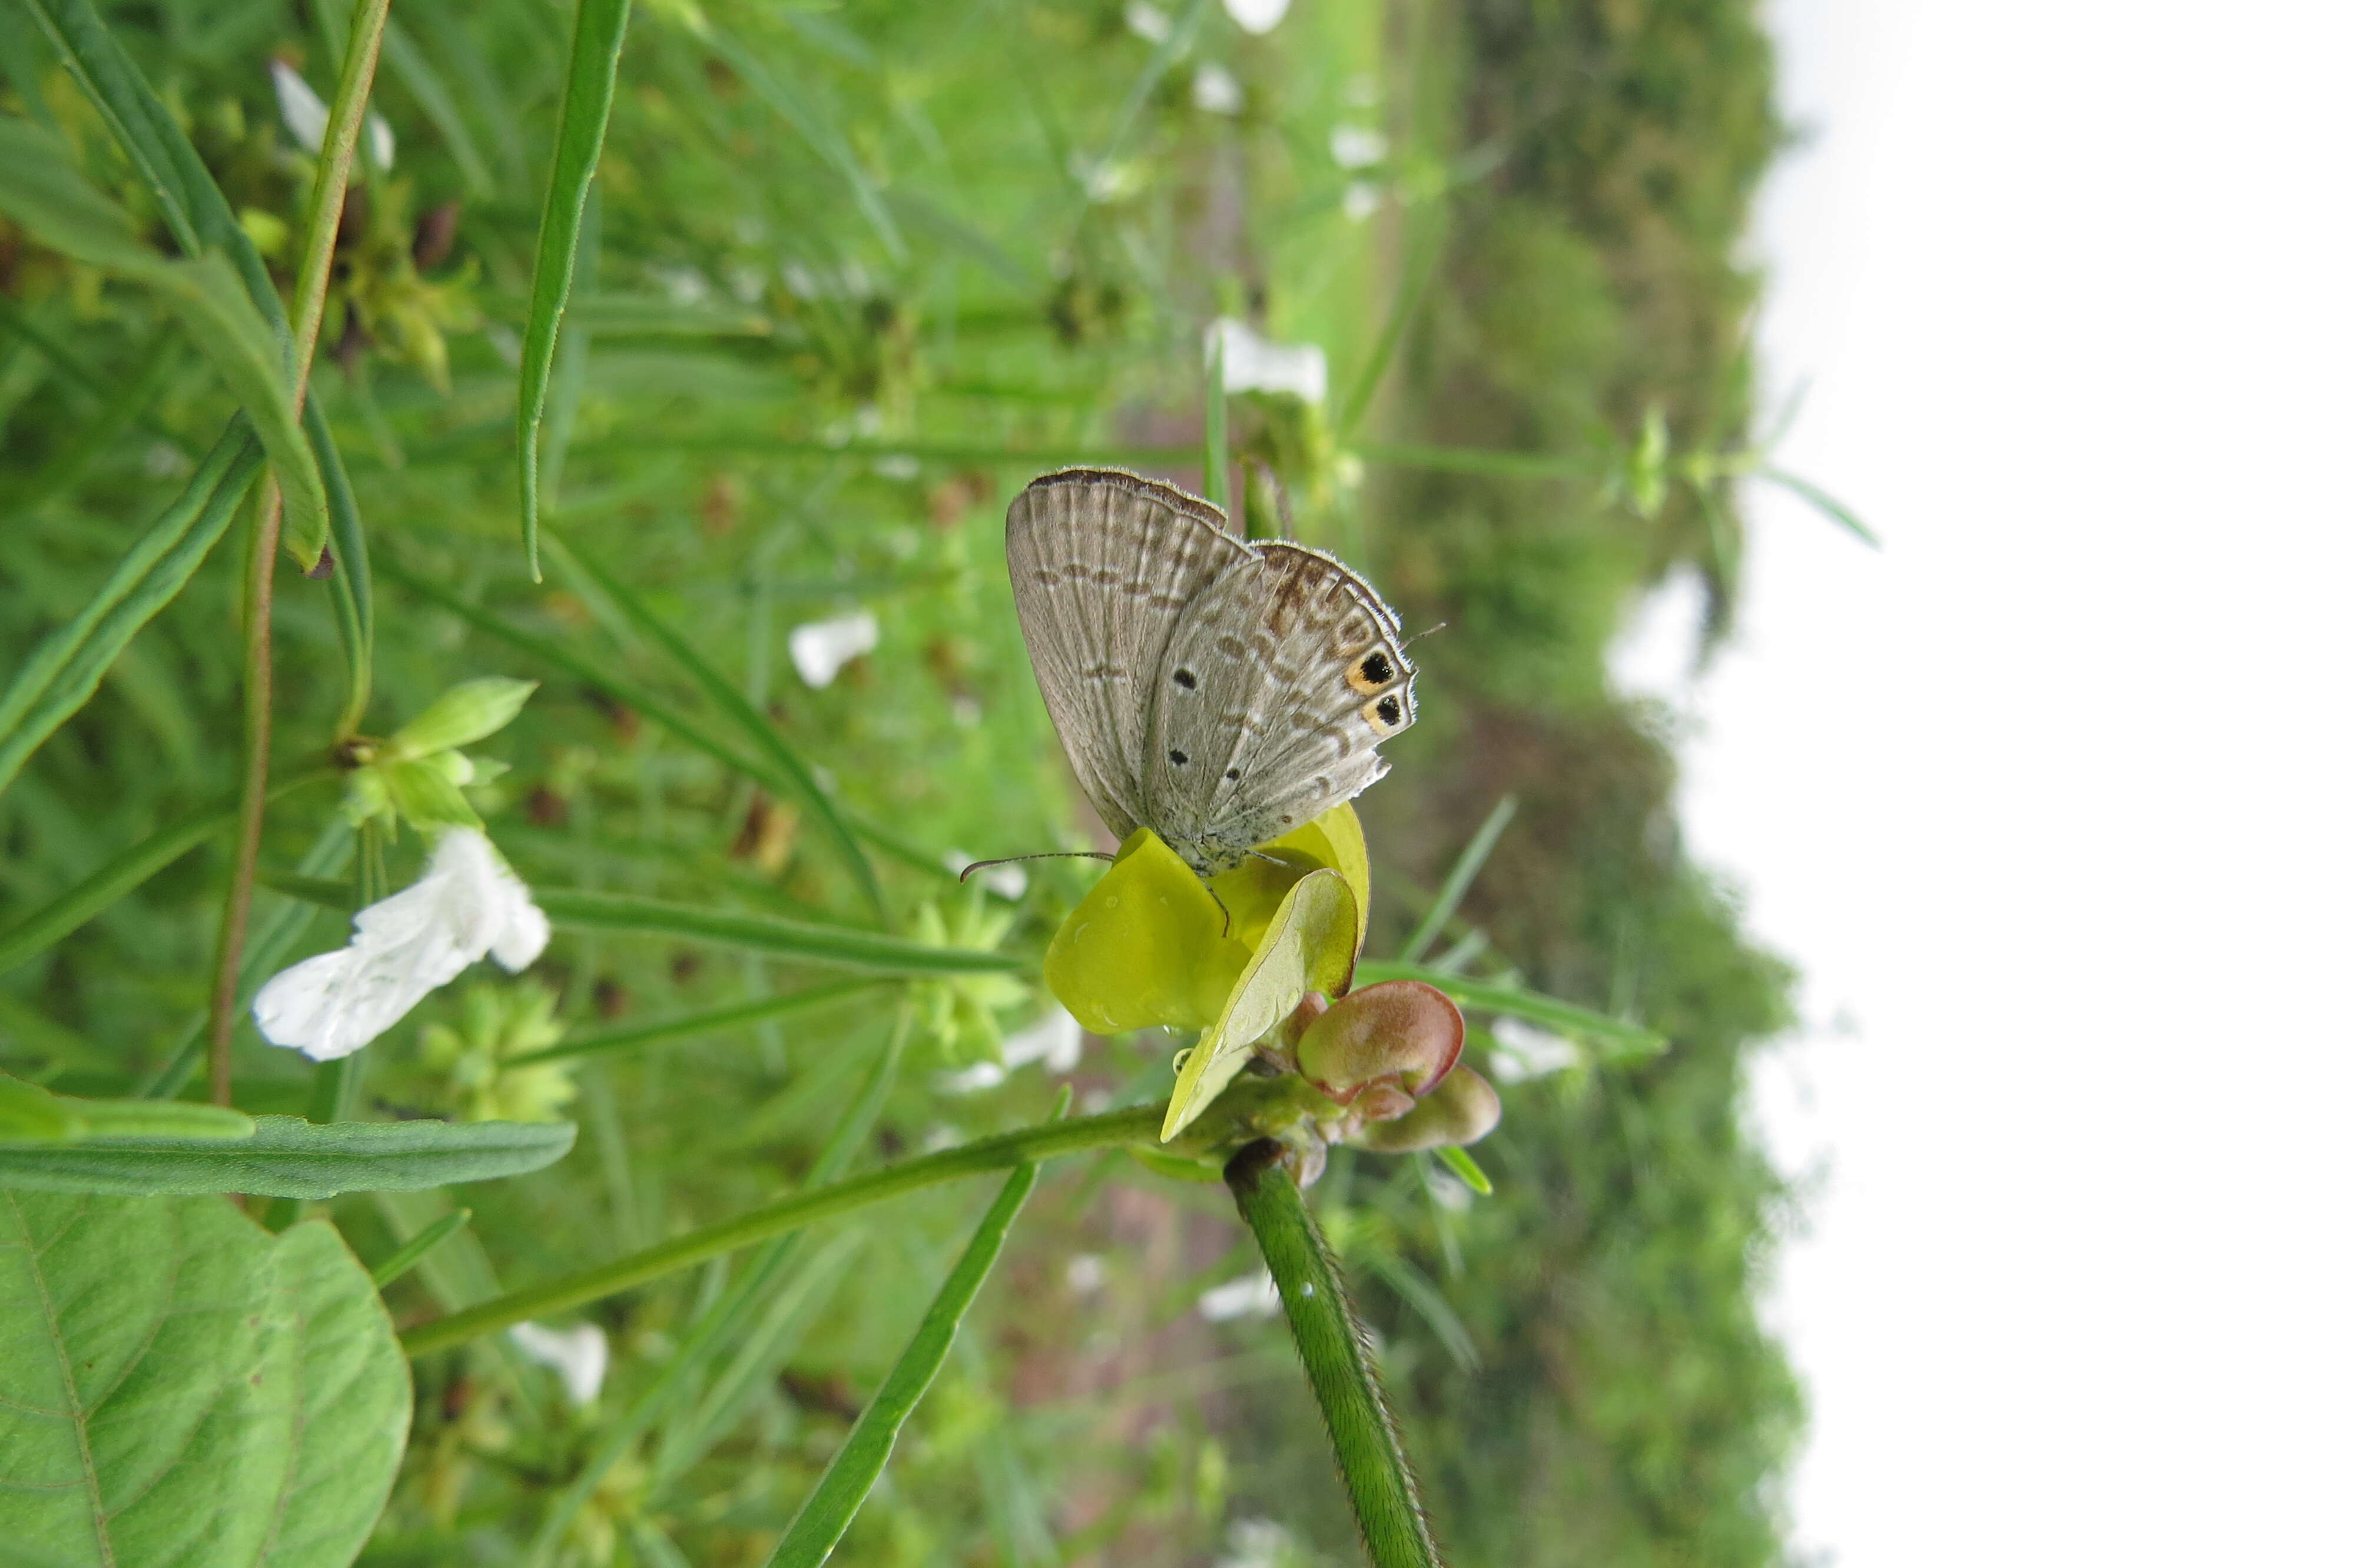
{"x":748,"y":720}
{"x":67,"y":666}
{"x":597,"y":27}
{"x":858,"y":1464}
{"x":1615,"y":1039}
{"x":1338,"y":1355}
{"x":287,"y":1157}
{"x":178,"y":1387}
{"x":1311,"y":944}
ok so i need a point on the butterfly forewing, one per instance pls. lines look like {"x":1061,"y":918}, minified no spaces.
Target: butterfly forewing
{"x":1283,"y":675}
{"x":1104,"y":566}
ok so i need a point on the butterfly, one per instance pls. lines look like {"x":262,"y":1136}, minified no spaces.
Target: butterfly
{"x":1218,"y":690}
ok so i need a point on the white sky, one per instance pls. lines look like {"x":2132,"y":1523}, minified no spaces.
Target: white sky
{"x":2052,"y":797}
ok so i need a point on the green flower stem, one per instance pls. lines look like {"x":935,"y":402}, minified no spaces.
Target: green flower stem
{"x":1339,"y":1362}
{"x":1139,"y":1124}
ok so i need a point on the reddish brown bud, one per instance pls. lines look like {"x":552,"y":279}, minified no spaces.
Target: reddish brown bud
{"x":1460,"y":1109}
{"x":1401,"y":1032}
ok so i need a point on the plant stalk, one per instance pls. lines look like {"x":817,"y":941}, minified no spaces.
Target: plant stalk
{"x":1138,"y":1124}
{"x":324,"y":218}
{"x":1340,"y":1363}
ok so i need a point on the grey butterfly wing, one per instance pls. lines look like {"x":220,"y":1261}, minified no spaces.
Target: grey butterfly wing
{"x":1103,"y":563}
{"x":1283,"y":677}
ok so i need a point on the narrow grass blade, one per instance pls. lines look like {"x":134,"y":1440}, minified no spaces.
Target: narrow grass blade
{"x":1476,"y":461}
{"x":1463,"y":1165}
{"x":351,"y":588}
{"x":286,"y":1156}
{"x":1822,"y":500}
{"x":1167,"y":53}
{"x":796,"y":109}
{"x":858,"y":1464}
{"x":686,"y":1026}
{"x":412,"y":1251}
{"x":1459,"y":880}
{"x":727,"y":1317}
{"x":830,"y":947}
{"x":647,"y":704}
{"x":1340,"y":1363}
{"x":1419,"y":271}
{"x":415,"y":71}
{"x":67,"y":666}
{"x":1214,"y":424}
{"x":597,"y":29}
{"x":67,"y":912}
{"x":1139,"y":1127}
{"x":1426,"y":1300}
{"x":1615,"y":1039}
{"x":749,"y":721}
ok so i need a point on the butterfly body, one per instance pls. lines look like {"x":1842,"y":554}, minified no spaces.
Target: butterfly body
{"x":1218,"y":690}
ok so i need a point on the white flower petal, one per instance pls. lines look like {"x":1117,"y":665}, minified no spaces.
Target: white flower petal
{"x":971,"y":1080}
{"x":1148,"y":21}
{"x":1361,"y":200}
{"x":1084,"y":1274}
{"x":1358,"y":146}
{"x":1525,"y":1052}
{"x":1253,"y":363}
{"x":1249,"y":1296}
{"x":304,"y":110}
{"x":579,"y":1355}
{"x":1216,"y":91}
{"x":1257,"y":16}
{"x":468,"y":904}
{"x":821,"y":648}
{"x":1053,"y":1042}
{"x":379,"y":140}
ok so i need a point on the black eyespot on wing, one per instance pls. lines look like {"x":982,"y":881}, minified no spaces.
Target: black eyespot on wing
{"x":1390,"y":710}
{"x":1376,"y":668}
{"x":1184,"y":678}
{"x":1179,"y":758}
{"x":1234,"y":773}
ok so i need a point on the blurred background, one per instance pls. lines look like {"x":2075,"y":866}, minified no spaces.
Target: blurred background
{"x":1876,"y":466}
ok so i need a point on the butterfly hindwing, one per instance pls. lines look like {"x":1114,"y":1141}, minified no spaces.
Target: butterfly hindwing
{"x":1103,"y":564}
{"x":1283,"y":676}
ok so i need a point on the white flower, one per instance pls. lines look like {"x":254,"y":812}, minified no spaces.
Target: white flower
{"x":1449,"y":1193}
{"x":1254,"y":364}
{"x":579,"y":1356}
{"x":1250,"y":1296}
{"x":306,"y":116}
{"x":1148,"y":21}
{"x":1259,"y":1543}
{"x":468,"y":904}
{"x":1257,"y":16}
{"x":1084,"y":1274}
{"x":1361,"y":200}
{"x":1053,"y":1043}
{"x":1216,"y":91}
{"x":1525,"y":1052}
{"x":821,"y":648}
{"x":1358,"y":146}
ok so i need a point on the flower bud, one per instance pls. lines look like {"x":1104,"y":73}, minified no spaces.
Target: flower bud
{"x":1402,"y":1034}
{"x":1460,"y":1109}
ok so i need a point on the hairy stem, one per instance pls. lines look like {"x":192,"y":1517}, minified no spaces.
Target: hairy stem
{"x":1138,"y":1124}
{"x":1340,"y":1361}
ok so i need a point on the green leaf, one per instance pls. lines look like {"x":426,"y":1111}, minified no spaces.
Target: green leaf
{"x":412,"y":1251}
{"x":1461,"y":1161}
{"x":858,"y":1464}
{"x":177,"y":1386}
{"x":464,"y":713}
{"x":41,"y":190}
{"x":1823,"y":501}
{"x":1614,"y":1039}
{"x":67,"y":666}
{"x":351,"y":586}
{"x":425,"y":796}
{"x":1459,"y":879}
{"x":828,"y":947}
{"x":1339,"y":1359}
{"x":30,"y":1114}
{"x":597,"y":27}
{"x":749,"y":721}
{"x":1311,"y":944}
{"x":287,"y":1157}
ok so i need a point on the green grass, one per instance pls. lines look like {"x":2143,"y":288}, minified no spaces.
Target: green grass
{"x":843,"y":279}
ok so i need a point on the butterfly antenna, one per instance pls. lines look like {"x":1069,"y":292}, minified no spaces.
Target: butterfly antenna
{"x":1421,"y":634}
{"x":1226,"y":914}
{"x":1043,"y":854}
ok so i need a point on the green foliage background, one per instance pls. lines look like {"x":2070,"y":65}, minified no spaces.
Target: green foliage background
{"x":851,"y":275}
